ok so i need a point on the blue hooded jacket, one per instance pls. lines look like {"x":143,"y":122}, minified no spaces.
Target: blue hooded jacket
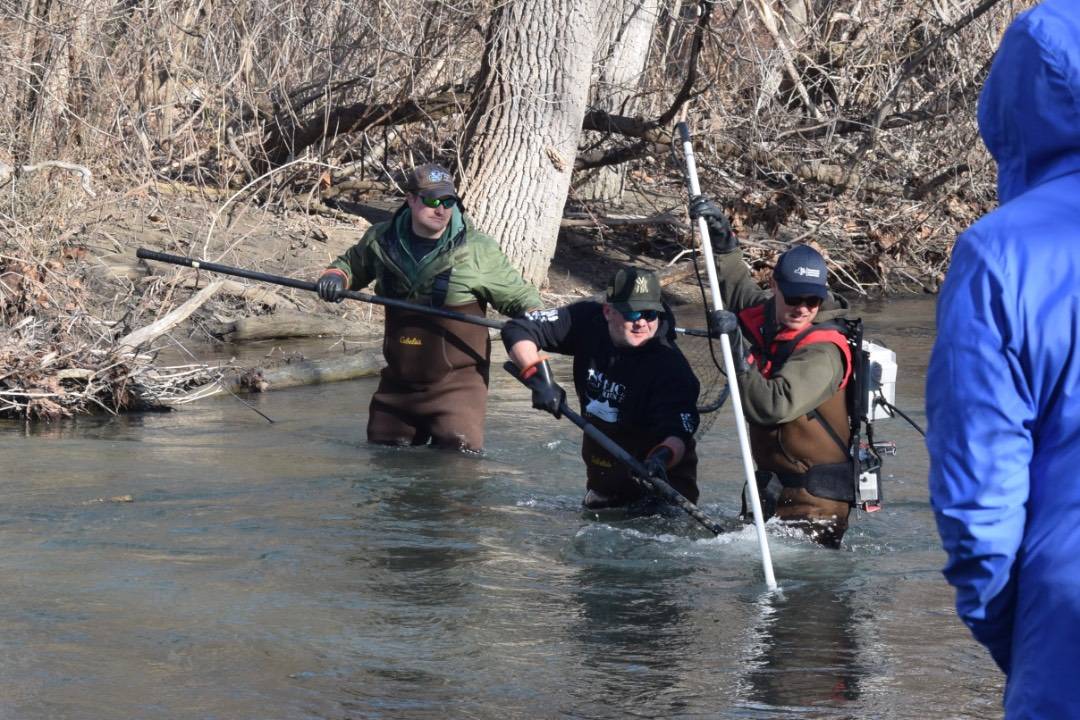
{"x":1003,"y":386}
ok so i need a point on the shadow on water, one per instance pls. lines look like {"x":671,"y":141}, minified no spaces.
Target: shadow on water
{"x":808,"y":657}
{"x":634,"y":641}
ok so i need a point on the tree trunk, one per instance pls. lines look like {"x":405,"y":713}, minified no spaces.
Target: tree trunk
{"x":525,"y":123}
{"x":626,"y":31}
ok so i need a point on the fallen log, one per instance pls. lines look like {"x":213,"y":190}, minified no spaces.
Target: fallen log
{"x":145,"y":335}
{"x":290,"y":373}
{"x":289,"y":325}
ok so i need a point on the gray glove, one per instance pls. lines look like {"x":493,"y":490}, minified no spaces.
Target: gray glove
{"x":547,"y":394}
{"x":657,"y":463}
{"x":722,"y":322}
{"x":329,"y":286}
{"x":723,"y":240}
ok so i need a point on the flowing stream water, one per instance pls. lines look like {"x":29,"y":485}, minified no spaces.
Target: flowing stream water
{"x":288,"y":570}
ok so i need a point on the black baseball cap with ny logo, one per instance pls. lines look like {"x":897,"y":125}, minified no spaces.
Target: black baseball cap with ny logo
{"x":634,"y":289}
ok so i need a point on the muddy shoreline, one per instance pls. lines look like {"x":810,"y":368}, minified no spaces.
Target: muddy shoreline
{"x":70,"y":304}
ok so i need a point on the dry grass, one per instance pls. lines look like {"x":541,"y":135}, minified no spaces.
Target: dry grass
{"x":852,"y":128}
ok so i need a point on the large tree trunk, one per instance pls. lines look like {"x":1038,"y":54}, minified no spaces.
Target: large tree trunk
{"x":525,"y":124}
{"x":626,"y":30}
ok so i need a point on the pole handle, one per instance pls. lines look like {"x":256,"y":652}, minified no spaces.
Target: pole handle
{"x":684,"y":131}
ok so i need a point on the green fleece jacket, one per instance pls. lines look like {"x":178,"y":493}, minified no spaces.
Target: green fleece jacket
{"x":811,"y":375}
{"x":481,"y":272}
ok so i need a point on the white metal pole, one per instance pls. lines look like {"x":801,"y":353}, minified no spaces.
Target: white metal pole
{"x":729,"y":365}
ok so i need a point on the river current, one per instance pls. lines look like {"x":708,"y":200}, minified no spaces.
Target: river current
{"x":206,"y":563}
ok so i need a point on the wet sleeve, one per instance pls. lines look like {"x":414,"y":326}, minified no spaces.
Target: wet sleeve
{"x":810,"y":376}
{"x":358,"y":262}
{"x":673,"y":405}
{"x":552,"y":330}
{"x":980,"y":411}
{"x":502,"y":285}
{"x":737,"y":289}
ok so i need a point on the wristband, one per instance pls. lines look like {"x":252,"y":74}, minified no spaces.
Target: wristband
{"x":529,"y":370}
{"x":335,"y":271}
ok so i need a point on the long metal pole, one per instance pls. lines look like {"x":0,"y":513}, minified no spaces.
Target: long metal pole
{"x":305,"y":285}
{"x":145,"y":254}
{"x":729,"y":365}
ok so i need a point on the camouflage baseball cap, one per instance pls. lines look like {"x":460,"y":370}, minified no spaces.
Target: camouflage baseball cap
{"x":430,"y":180}
{"x":634,"y":289}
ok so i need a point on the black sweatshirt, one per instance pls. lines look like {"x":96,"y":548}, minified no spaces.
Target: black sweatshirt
{"x":648,"y":387}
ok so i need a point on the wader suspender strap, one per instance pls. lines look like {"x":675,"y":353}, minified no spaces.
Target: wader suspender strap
{"x":777,"y":359}
{"x":829,"y":429}
{"x":780,"y":357}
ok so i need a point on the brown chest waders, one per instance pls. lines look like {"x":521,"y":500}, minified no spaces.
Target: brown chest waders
{"x":434,"y":386}
{"x":803,"y":471}
{"x":607,"y":476}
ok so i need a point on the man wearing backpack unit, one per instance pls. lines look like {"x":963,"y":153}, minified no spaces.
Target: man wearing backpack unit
{"x":794,"y":386}
{"x":434,"y":385}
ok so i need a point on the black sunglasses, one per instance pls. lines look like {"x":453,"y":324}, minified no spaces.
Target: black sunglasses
{"x":810,"y":301}
{"x":446,"y":202}
{"x":635,"y":315}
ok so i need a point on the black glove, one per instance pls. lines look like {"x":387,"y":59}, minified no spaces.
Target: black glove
{"x":722,"y":322}
{"x":546,"y":393}
{"x":657,"y":462}
{"x":330,"y":286}
{"x":723,"y":240}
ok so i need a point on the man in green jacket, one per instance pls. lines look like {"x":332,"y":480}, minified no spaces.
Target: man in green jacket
{"x":434,"y":386}
{"x":794,"y":388}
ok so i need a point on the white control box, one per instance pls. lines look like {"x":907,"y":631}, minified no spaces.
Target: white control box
{"x":882,"y":379}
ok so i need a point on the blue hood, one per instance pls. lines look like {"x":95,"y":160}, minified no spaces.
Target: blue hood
{"x":1029,"y":109}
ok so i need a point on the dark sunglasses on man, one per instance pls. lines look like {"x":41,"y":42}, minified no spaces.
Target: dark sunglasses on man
{"x":810,"y":301}
{"x":446,"y":202}
{"x":635,"y":315}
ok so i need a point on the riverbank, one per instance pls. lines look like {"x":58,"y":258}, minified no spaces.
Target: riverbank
{"x":88,"y":327}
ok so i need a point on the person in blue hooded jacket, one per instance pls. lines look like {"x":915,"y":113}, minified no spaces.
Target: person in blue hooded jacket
{"x":1003,"y":386}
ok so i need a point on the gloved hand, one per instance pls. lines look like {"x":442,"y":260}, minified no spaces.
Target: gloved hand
{"x":722,"y":322}
{"x":723,"y":240}
{"x":330,"y":285}
{"x":546,"y":393}
{"x":657,"y":462}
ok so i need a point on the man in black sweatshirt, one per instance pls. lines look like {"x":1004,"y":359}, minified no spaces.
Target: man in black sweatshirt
{"x":632,"y":383}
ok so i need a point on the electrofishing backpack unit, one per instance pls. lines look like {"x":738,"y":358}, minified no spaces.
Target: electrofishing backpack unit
{"x":871,"y":392}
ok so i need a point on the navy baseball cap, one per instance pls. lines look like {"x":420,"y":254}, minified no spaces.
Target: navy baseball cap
{"x":801,"y":272}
